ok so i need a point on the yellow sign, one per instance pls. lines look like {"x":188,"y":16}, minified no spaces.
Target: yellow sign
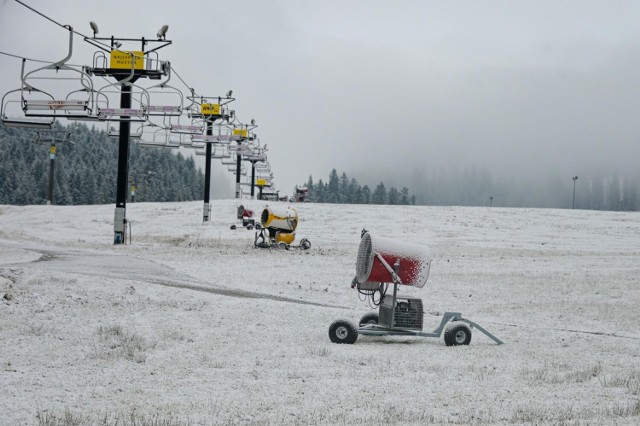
{"x":210,"y":109}
{"x":261,"y":182}
{"x":52,"y":149}
{"x":240,"y":132}
{"x":122,"y":59}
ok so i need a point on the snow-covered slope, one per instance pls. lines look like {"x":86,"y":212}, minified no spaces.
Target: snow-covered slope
{"x":191,"y":323}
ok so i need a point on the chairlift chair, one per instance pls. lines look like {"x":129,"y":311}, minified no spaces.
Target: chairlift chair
{"x":229,"y":160}
{"x":161,"y":139}
{"x":10,"y":106}
{"x":163,"y":91}
{"x":114,"y":132}
{"x":67,"y":107}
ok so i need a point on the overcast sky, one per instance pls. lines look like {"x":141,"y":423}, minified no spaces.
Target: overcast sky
{"x":376,"y":88}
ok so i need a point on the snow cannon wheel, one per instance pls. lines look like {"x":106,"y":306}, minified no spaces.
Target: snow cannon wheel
{"x":233,"y":227}
{"x":370,"y":318}
{"x":283,"y":245}
{"x":342,"y":331}
{"x":457,"y":333}
{"x":249,"y":227}
{"x":305,"y":244}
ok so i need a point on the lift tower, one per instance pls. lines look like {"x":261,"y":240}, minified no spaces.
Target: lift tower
{"x":126,"y":67}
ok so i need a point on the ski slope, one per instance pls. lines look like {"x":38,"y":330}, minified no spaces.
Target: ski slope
{"x":192,"y":324}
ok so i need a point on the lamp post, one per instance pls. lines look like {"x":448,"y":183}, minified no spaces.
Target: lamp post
{"x":52,"y":137}
{"x":573,"y":204}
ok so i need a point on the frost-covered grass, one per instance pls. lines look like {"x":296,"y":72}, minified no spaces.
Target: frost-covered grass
{"x":192,"y":325}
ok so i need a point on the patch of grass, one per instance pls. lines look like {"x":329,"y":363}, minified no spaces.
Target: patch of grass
{"x":35,"y":329}
{"x":218,"y":364}
{"x":624,"y":410}
{"x":557,"y":373}
{"x":321,"y":352}
{"x":116,"y":342}
{"x":629,"y":380}
{"x":68,"y":418}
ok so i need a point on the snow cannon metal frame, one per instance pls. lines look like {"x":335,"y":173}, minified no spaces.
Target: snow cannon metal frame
{"x":246,"y":216}
{"x":397,"y":316}
{"x":279,"y":229}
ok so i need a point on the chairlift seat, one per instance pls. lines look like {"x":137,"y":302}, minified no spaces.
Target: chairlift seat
{"x":210,"y":138}
{"x":30,"y":123}
{"x":185,"y":129}
{"x":112,"y":133}
{"x":61,"y":105}
{"x":129,"y":114}
{"x":163,"y":110}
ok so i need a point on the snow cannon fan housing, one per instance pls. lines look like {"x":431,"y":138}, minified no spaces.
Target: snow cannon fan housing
{"x":281,"y":223}
{"x":414,"y":261}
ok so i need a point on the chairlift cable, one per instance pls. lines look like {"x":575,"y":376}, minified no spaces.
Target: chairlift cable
{"x":173,"y":70}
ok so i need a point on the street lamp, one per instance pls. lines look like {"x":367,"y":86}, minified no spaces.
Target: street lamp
{"x":573,"y":204}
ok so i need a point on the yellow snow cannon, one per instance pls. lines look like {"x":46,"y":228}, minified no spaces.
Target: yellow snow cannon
{"x":278,"y":229}
{"x":279,"y":219}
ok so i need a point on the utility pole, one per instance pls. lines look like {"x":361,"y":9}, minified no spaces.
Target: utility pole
{"x":573,"y":204}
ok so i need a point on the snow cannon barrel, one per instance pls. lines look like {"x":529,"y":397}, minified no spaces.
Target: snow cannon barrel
{"x":414,"y":261}
{"x":280,"y":219}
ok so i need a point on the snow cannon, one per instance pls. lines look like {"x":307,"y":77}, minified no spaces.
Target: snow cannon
{"x":383,"y":261}
{"x":278,"y":229}
{"x":279,"y":219}
{"x":378,"y":256}
{"x":244,"y":212}
{"x":246,"y":216}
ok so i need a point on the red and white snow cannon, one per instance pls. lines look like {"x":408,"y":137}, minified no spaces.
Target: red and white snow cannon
{"x":246,"y":216}
{"x":383,"y":261}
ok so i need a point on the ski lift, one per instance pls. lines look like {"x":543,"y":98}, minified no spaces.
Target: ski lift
{"x":240,"y":149}
{"x":21,"y":121}
{"x":108,"y":113}
{"x":210,"y":138}
{"x":115,"y":133}
{"x":230,"y":160}
{"x":161,"y":138}
{"x":186,"y":129}
{"x":163,"y":91}
{"x":234,"y":169}
{"x":210,"y":108}
{"x":69,"y":106}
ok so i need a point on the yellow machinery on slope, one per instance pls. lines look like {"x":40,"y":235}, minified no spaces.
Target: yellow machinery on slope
{"x":279,"y":229}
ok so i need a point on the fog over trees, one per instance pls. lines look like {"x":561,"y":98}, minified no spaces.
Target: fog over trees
{"x":85,"y":173}
{"x":480,"y":186}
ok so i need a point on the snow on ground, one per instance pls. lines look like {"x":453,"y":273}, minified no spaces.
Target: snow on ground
{"x":190,"y":323}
